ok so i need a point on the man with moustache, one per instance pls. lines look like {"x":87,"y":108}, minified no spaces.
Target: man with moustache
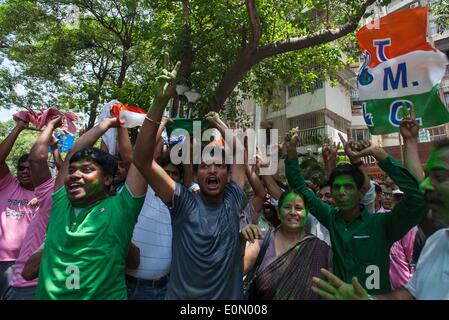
{"x":206,"y":257}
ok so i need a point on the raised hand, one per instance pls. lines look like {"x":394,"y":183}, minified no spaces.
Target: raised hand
{"x":409,"y":128}
{"x":55,"y":122}
{"x":20,"y":124}
{"x":350,"y":148}
{"x":329,"y":152}
{"x":357,"y":149}
{"x":166,"y":81}
{"x":336,"y":289}
{"x":261,"y":161}
{"x":250,"y":233}
{"x":213,"y":117}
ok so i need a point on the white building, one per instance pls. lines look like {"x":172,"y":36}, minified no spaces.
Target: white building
{"x":328,"y":110}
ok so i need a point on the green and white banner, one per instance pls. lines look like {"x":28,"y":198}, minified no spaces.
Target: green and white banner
{"x":401,"y":71}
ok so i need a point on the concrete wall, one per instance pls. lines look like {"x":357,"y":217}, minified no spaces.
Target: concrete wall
{"x":338,"y":100}
{"x":306,"y":103}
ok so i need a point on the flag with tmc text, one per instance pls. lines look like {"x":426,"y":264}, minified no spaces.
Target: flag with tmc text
{"x":401,"y":71}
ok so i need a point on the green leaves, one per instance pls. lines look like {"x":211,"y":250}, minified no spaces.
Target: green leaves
{"x":116,"y":50}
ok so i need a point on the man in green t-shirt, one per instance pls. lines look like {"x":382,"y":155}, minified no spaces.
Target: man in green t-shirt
{"x":89,"y":231}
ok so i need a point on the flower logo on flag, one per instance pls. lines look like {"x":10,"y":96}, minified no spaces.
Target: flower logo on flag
{"x":364,"y":78}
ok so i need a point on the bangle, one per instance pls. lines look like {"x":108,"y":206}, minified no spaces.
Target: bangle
{"x":151,"y":120}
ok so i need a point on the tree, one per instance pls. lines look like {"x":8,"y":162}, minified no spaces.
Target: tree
{"x":23,"y":143}
{"x":229,"y":49}
{"x":440,"y":8}
{"x":84,"y":63}
{"x":257,"y":44}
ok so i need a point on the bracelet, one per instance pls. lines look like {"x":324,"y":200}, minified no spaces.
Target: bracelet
{"x":151,"y":120}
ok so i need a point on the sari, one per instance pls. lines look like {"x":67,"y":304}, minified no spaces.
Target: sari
{"x":289,"y":276}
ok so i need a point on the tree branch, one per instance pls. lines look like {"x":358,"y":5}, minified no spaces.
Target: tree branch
{"x":254,"y":21}
{"x":317,"y":38}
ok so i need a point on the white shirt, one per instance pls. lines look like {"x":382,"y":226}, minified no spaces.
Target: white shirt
{"x":153,"y":235}
{"x":318,"y":230}
{"x":431,"y":278}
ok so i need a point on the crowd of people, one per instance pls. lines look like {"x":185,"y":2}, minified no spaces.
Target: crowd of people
{"x":135,"y":225}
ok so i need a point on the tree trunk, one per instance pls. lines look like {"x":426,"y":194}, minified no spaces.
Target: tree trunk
{"x":231,"y":79}
{"x":123,"y":68}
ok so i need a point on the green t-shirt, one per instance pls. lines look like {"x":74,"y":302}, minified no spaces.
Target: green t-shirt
{"x":84,"y":256}
{"x":361,"y":248}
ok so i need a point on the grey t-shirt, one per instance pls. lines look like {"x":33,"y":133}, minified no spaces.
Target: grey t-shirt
{"x":206,"y":261}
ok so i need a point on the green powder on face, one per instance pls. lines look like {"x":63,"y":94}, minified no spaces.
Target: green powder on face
{"x":293,"y":199}
{"x":345,"y":192}
{"x":94,"y":188}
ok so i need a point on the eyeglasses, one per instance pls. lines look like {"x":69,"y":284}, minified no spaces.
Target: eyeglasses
{"x":21,"y":168}
{"x":387,"y":194}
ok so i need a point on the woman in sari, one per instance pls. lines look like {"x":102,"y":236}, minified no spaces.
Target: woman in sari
{"x":293,"y":257}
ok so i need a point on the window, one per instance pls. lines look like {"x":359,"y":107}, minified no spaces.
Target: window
{"x":297,"y":90}
{"x":446,"y":97}
{"x":437,"y":133}
{"x":360,"y":134}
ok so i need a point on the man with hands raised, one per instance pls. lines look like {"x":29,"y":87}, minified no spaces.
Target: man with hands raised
{"x":361,"y":241}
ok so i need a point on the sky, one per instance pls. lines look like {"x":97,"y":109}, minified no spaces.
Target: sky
{"x":6,"y":115}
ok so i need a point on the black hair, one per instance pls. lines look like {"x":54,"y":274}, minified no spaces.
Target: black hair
{"x":164,"y":161}
{"x":23,"y":158}
{"x":107,"y":162}
{"x":284,"y":195}
{"x":348,"y":170}
{"x":223,"y":157}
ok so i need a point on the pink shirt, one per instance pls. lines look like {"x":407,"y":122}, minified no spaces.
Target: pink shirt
{"x":35,"y":234}
{"x":15,"y":216}
{"x":401,"y":256}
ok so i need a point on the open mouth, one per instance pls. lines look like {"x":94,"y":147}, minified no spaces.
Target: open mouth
{"x":74,"y":186}
{"x":212,"y":182}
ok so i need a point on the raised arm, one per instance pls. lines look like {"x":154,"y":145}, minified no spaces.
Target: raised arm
{"x":39,"y":153}
{"x":320,"y":209}
{"x":125,"y":147}
{"x":237,"y":169}
{"x":356,"y":159}
{"x":8,"y":143}
{"x":55,"y":152}
{"x":88,"y":139}
{"x":413,"y":207}
{"x":270,"y":183}
{"x":409,"y":130}
{"x":143,"y":158}
{"x":329,"y":154}
{"x":257,"y":186}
